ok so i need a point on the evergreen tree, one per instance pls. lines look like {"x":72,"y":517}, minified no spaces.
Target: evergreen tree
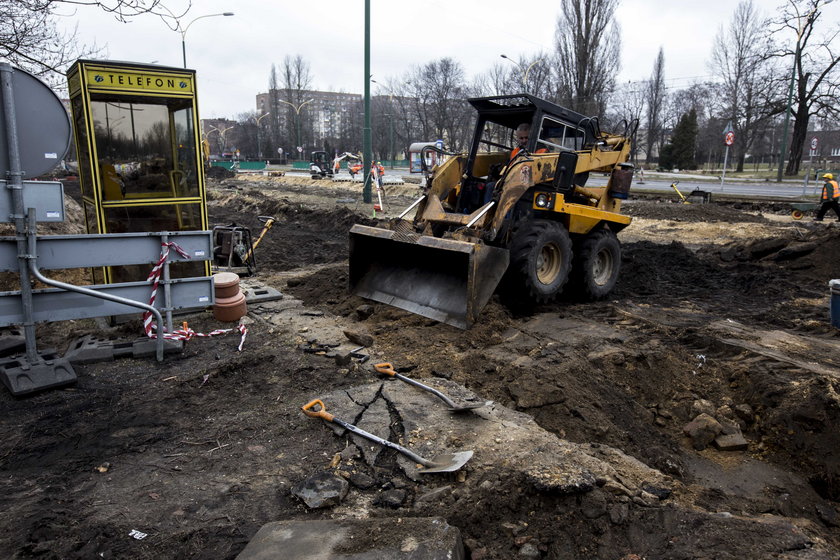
{"x":679,"y":152}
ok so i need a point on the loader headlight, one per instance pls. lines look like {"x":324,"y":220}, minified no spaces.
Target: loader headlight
{"x":542,"y":200}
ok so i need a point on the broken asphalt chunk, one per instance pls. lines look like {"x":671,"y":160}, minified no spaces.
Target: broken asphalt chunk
{"x":359,"y":337}
{"x":322,"y":489}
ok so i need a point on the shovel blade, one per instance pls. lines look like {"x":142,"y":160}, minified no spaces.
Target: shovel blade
{"x":448,"y":462}
{"x":469,"y":406}
{"x":443,"y":279}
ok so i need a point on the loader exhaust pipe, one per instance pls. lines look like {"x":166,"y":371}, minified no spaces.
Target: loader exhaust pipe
{"x":446,"y":280}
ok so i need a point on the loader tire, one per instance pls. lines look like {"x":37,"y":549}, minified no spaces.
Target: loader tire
{"x":596,"y":265}
{"x":540,"y":261}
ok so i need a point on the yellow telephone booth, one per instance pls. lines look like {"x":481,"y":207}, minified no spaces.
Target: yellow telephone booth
{"x":137,"y":141}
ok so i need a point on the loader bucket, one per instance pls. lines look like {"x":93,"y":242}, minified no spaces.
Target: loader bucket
{"x":443,"y":279}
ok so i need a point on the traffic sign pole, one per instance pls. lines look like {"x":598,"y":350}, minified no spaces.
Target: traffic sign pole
{"x":725,"y":161}
{"x":811,"y":152}
{"x":728,"y":139}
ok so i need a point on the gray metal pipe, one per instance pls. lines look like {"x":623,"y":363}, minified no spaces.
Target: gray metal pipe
{"x":167,"y":287}
{"x":15,"y":185}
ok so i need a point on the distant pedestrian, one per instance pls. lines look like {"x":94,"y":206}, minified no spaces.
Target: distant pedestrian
{"x":830,"y":197}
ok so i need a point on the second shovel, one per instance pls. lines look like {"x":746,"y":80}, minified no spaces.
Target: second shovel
{"x":388,"y":369}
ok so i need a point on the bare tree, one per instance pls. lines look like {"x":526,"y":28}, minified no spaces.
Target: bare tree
{"x":587,"y":45}
{"x":738,"y":58}
{"x":815,"y":56}
{"x":627,"y":106}
{"x":297,"y":83}
{"x":655,"y":100}
{"x":499,"y":80}
{"x":275,"y":140}
{"x":438,"y":90}
{"x":528,"y":74}
{"x":30,"y":37}
{"x":401,"y":109}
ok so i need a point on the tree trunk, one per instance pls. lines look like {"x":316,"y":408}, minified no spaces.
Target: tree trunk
{"x":797,"y":141}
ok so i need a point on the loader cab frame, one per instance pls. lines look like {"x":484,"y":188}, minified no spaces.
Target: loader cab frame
{"x":553,"y":128}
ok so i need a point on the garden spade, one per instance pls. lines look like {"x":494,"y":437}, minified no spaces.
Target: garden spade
{"x":388,"y":369}
{"x":447,"y":462}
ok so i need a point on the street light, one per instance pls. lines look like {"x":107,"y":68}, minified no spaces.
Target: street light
{"x":800,"y":29}
{"x":259,"y":144}
{"x":297,"y":109}
{"x":221,"y":135}
{"x":527,"y":70}
{"x":183,"y":30}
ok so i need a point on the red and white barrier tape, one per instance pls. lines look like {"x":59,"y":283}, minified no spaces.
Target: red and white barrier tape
{"x":184,"y":333}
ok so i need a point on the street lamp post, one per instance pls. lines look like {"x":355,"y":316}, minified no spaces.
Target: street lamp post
{"x":183,"y":30}
{"x":259,"y":144}
{"x":210,"y":131}
{"x":221,"y":132}
{"x":297,"y":109}
{"x":526,"y":72}
{"x":800,"y":29}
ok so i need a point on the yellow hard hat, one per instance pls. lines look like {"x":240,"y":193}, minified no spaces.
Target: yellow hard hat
{"x":828,"y":176}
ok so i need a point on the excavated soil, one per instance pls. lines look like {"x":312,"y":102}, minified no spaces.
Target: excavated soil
{"x":721,"y":308}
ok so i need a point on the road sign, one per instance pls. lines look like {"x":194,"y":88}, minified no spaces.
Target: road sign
{"x":814,"y":143}
{"x":729,"y":139}
{"x":280,"y":151}
{"x":300,"y":149}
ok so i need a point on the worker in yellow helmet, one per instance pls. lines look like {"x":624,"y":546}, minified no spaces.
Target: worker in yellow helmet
{"x":830,"y":197}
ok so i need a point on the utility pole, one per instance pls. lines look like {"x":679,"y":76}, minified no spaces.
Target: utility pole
{"x":367,"y":160}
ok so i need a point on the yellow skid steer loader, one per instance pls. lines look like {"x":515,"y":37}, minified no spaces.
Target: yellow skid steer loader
{"x":518,"y":219}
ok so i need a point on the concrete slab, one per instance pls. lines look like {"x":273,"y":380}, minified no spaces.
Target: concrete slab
{"x":731,"y":442}
{"x":419,"y":538}
{"x":257,"y":292}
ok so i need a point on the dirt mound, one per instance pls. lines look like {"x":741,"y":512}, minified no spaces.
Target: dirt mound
{"x":217,"y":173}
{"x":689,"y":212}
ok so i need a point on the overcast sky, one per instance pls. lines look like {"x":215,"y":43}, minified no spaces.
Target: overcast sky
{"x":233,"y":55}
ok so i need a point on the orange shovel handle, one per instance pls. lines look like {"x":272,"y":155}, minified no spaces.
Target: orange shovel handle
{"x":385,"y":367}
{"x":308,"y":409}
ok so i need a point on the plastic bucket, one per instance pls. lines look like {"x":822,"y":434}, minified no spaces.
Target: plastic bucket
{"x":834,"y":309}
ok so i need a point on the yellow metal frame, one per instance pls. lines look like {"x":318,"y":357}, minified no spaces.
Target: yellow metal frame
{"x":119,"y":80}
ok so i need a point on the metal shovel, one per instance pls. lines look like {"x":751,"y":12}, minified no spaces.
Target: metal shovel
{"x":448,"y":462}
{"x":388,"y":369}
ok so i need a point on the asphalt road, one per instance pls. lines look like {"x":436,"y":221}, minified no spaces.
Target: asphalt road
{"x":790,"y":190}
{"x":786,"y":189}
